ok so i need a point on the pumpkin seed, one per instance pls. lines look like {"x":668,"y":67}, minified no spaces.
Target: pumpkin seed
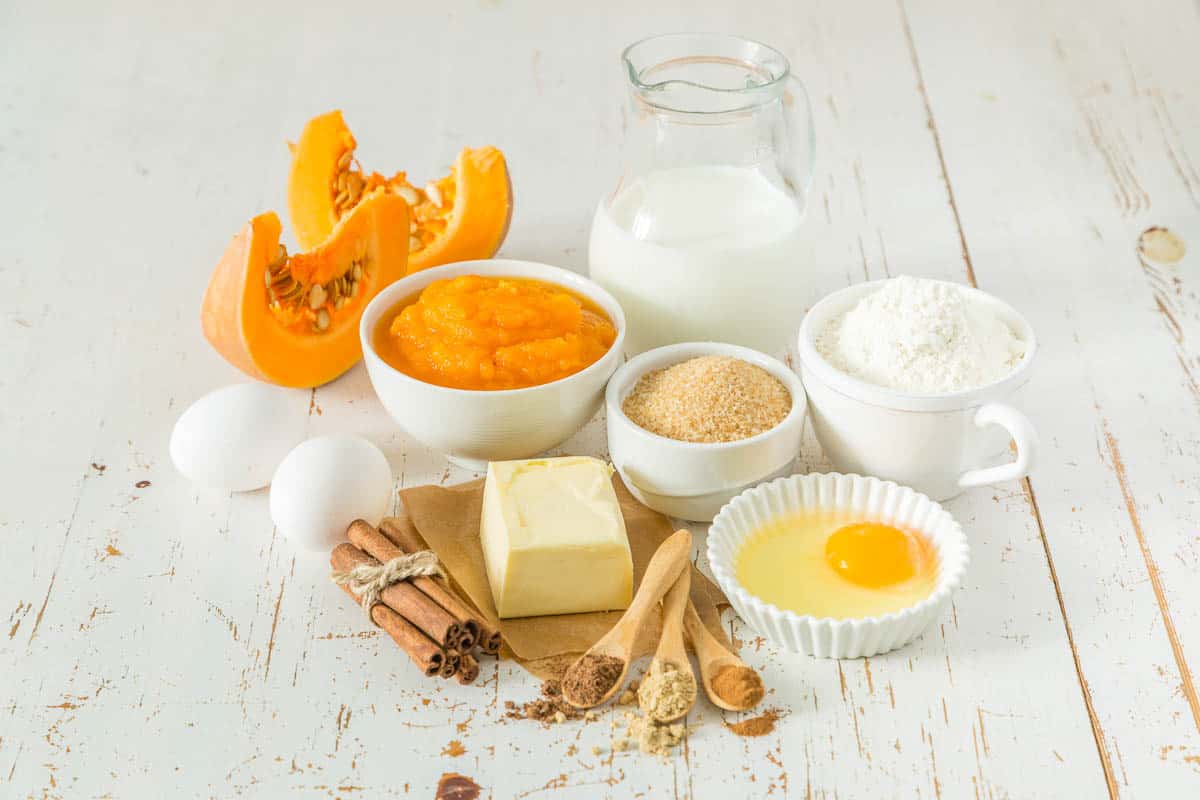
{"x":341,"y":301}
{"x":280,"y":257}
{"x":435,"y":194}
{"x":344,"y":161}
{"x":322,"y":321}
{"x":316,"y":296}
{"x":412,"y":226}
{"x":357,"y":271}
{"x":270,"y":278}
{"x":414,"y":243}
{"x":409,"y":194}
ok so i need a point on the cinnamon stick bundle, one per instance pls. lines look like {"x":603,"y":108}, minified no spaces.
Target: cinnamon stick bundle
{"x":407,"y":600}
{"x":403,"y":537}
{"x":424,"y":652}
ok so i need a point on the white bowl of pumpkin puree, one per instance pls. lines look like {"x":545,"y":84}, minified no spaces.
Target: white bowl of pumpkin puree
{"x":494,"y":359}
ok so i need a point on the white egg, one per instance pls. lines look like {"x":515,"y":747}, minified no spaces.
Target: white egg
{"x":235,"y":437}
{"x":325,"y":484}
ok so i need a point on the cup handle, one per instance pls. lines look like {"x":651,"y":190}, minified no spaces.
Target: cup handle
{"x":1022,"y":432}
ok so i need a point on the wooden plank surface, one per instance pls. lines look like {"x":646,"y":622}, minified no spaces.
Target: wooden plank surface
{"x":161,"y":639}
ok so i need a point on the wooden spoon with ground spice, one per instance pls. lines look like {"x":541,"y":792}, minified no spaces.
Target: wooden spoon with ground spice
{"x":668,"y":691}
{"x":601,"y":671}
{"x":727,"y":681}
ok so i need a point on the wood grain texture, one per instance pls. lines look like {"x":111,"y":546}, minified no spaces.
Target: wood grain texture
{"x":158,"y":638}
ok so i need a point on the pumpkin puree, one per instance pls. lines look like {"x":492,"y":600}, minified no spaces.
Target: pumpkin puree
{"x":474,"y":332}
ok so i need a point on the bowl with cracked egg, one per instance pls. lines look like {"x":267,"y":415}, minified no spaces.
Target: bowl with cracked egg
{"x":837,"y":566}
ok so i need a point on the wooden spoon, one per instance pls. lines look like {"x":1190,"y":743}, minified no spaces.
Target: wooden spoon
{"x":664,"y":567}
{"x":671,"y":649}
{"x":713,"y":655}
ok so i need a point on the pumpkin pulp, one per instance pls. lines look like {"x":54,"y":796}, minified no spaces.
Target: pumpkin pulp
{"x":292,"y":320}
{"x":460,"y":217}
{"x":484,"y":333}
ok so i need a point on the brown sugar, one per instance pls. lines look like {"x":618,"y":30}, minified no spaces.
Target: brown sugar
{"x":590,"y":678}
{"x":708,"y":399}
{"x":738,"y":686}
{"x":755,"y":726}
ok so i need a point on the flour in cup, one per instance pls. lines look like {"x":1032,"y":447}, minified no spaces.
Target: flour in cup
{"x":921,"y":336}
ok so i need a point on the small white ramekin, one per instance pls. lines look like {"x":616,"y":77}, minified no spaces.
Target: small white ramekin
{"x":473,"y":427}
{"x":873,"y":499}
{"x":692,"y":480}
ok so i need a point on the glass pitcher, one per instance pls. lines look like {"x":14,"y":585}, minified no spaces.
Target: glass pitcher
{"x":704,"y":236}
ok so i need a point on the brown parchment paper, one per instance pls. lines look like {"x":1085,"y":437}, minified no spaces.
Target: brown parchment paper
{"x":447,"y":517}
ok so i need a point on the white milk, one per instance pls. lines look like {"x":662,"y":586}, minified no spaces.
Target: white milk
{"x":703,"y":253}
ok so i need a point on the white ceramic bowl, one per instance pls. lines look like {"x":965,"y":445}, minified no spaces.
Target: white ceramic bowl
{"x":474,"y":427}
{"x":873,"y":499}
{"x":692,"y":480}
{"x":939,"y":444}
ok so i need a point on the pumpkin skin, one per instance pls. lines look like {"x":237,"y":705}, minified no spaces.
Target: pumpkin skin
{"x":279,"y":342}
{"x":464,"y":216}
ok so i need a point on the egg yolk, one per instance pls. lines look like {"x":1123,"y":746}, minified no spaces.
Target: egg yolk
{"x":874,"y":555}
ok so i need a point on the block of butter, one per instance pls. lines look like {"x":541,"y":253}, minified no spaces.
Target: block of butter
{"x":553,"y":537}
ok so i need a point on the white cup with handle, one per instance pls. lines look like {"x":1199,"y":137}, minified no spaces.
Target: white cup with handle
{"x":939,"y":444}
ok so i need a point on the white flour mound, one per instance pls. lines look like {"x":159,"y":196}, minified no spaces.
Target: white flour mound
{"x":922,"y":336}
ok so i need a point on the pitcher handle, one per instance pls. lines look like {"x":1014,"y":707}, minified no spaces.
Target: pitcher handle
{"x":1023,"y":434}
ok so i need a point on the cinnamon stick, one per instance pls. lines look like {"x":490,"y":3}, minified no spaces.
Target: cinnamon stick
{"x":451,"y":664}
{"x":424,"y":652}
{"x":406,"y":600}
{"x":468,"y":669}
{"x":404,"y":536}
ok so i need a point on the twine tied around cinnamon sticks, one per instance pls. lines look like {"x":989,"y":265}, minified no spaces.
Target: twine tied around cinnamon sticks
{"x":391,"y":572}
{"x":368,"y":581}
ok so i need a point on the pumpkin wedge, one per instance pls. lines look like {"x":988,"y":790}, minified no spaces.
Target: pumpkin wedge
{"x":292,"y":320}
{"x":462,"y":216}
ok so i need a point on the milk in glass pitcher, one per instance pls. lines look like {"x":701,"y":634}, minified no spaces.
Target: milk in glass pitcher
{"x":704,"y":236}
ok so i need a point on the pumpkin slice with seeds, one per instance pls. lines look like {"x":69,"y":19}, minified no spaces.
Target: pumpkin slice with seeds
{"x":460,"y":217}
{"x":292,"y":320}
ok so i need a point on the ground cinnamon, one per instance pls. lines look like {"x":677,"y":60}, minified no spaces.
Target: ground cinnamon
{"x":402,"y":534}
{"x":407,"y":600}
{"x":755,"y":726}
{"x":590,"y":678}
{"x":738,"y":686}
{"x":424,"y":652}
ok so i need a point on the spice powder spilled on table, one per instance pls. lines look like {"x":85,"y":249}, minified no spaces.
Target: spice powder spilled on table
{"x":708,"y":399}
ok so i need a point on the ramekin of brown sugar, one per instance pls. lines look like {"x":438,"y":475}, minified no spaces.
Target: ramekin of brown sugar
{"x":690,"y":426}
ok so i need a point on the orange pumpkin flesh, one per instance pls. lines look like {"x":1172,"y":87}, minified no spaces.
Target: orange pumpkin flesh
{"x":462,"y":216}
{"x":293,"y":321}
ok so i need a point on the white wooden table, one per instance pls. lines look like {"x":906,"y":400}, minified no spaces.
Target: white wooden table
{"x":164,"y":641}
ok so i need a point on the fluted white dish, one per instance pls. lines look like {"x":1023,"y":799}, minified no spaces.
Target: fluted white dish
{"x":474,"y":427}
{"x":869,"y":498}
